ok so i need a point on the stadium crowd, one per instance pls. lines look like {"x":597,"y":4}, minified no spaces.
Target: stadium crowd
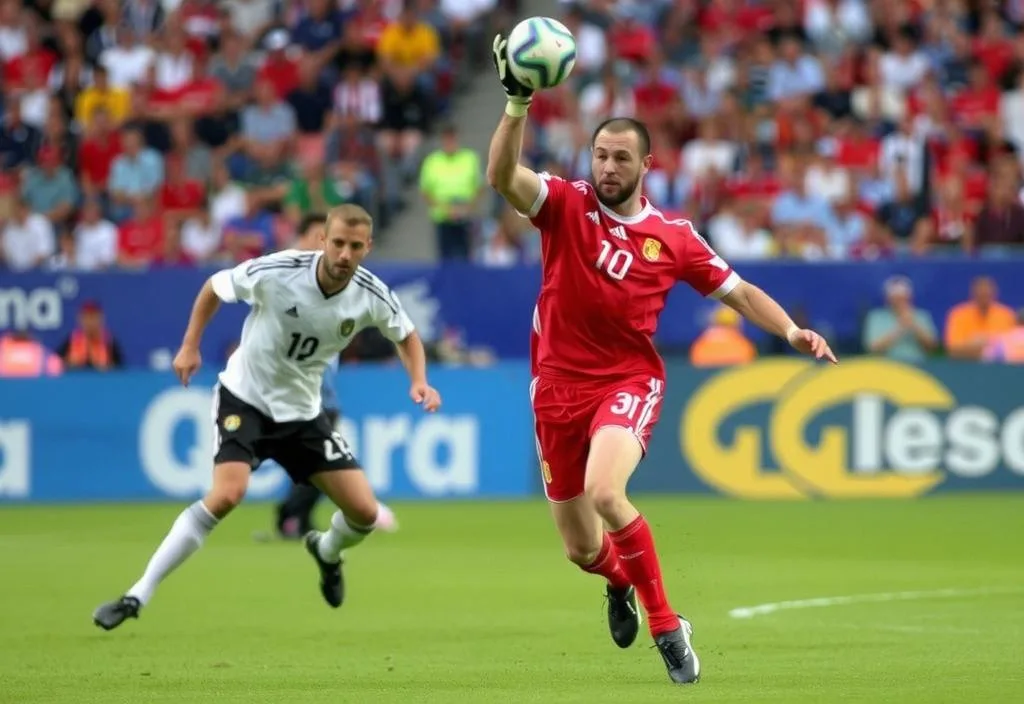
{"x":169,"y":132}
{"x":140,"y":133}
{"x":810,"y":129}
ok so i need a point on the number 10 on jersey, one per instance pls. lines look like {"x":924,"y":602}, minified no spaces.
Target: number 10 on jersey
{"x":615,"y":262}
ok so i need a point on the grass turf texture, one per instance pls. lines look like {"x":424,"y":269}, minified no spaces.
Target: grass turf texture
{"x":473,"y":602}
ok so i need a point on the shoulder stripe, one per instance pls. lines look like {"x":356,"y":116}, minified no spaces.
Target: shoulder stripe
{"x":267,"y":266}
{"x":373,"y":282}
{"x":276,"y":261}
{"x":390,"y":304}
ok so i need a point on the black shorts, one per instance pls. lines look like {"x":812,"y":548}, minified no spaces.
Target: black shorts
{"x":302,"y":447}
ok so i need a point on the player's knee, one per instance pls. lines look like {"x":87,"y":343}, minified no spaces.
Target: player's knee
{"x":608,"y":499}
{"x":362,"y":513}
{"x":581,"y":553}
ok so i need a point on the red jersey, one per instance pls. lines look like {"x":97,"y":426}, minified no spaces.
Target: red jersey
{"x":605,"y":278}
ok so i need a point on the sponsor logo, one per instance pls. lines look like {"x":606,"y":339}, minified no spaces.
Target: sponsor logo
{"x":869,"y":428}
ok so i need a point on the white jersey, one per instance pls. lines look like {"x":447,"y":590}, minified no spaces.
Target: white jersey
{"x":294,"y":329}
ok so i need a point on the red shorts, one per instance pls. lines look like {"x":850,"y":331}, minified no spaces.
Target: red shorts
{"x":567,"y":414}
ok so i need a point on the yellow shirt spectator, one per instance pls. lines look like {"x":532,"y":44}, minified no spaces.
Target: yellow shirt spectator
{"x":722,"y":343}
{"x":450,"y":178}
{"x":115,"y":101}
{"x":409,"y":43}
{"x":972,"y":324}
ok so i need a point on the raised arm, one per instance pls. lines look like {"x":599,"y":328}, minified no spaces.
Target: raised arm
{"x":519,"y":185}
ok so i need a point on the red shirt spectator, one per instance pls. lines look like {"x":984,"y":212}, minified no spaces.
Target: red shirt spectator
{"x":976,"y":104}
{"x":97,"y":151}
{"x":632,"y":40}
{"x":280,"y":70}
{"x":140,"y":240}
{"x":180,"y":195}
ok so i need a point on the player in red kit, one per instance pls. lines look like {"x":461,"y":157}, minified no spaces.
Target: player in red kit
{"x":610,"y":259}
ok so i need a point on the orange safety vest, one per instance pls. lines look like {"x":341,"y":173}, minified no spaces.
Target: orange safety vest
{"x":721,"y":346}
{"x":83,"y":351}
{"x":27,"y":359}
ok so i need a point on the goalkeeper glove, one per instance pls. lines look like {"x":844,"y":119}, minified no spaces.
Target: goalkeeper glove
{"x":519,"y":96}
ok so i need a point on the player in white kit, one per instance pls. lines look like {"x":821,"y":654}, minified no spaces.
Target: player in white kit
{"x":306,"y":308}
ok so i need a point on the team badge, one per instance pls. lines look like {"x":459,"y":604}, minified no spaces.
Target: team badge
{"x":347,"y":326}
{"x":232,"y":423}
{"x":545,"y":470}
{"x":652,"y":249}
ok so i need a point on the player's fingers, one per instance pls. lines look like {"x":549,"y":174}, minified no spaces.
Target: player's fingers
{"x":830,"y":355}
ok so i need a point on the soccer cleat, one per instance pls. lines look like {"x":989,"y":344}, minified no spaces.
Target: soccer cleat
{"x":332,"y":586}
{"x":111,"y":615}
{"x":680,"y":659}
{"x":624,"y":617}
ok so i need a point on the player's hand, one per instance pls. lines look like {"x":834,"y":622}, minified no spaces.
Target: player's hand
{"x":516,"y":91}
{"x":426,"y":396}
{"x":810,"y":342}
{"x":186,"y":362}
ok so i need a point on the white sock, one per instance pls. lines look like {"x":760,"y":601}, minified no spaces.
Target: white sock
{"x":185,"y":537}
{"x":341,"y":535}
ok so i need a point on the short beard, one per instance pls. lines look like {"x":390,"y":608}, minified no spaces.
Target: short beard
{"x":623,"y":195}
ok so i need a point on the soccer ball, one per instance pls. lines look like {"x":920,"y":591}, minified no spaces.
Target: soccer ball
{"x":541,"y":52}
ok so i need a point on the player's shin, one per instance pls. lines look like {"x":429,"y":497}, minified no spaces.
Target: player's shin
{"x":187,"y":535}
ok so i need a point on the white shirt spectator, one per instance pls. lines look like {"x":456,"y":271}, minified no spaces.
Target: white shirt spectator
{"x":27,"y":244}
{"x":591,"y":48}
{"x":832,"y":183}
{"x":199,"y":239}
{"x":594,"y":105}
{"x":35,"y":106}
{"x":228,"y":203}
{"x":900,"y":149}
{"x":361,"y":99}
{"x":1011,"y":108}
{"x":95,"y":245}
{"x":13,"y":43}
{"x":701,"y":155}
{"x":847,"y":21}
{"x":466,"y":10}
{"x":733,"y":241}
{"x":249,"y":16}
{"x":903,"y":71}
{"x":173,"y":70}
{"x":127,"y":65}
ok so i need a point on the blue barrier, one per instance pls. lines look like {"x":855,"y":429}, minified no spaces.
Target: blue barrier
{"x":147,"y":311}
{"x":781,"y":428}
{"x":141,"y":436}
{"x":869,"y":428}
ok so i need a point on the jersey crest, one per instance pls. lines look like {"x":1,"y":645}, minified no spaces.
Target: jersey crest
{"x":652,"y":249}
{"x":347,"y":326}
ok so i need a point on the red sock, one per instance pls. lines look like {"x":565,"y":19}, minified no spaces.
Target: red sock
{"x":635,"y":548}
{"x":607,"y":565}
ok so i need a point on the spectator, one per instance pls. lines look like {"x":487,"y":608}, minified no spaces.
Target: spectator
{"x":899,"y":330}
{"x":28,"y":238}
{"x":97,"y":152}
{"x":405,"y":117}
{"x":452,"y":183}
{"x":49,"y":188}
{"x":1007,"y":347}
{"x":114,"y":102}
{"x":141,"y":236}
{"x":795,"y":73}
{"x":135,"y":176}
{"x":876,"y":243}
{"x":722,"y":343}
{"x":736,"y":233}
{"x":971,"y":325}
{"x":201,"y":236}
{"x":1001,"y":220}
{"x":23,"y":357}
{"x":268,"y":131}
{"x":408,"y":45}
{"x":250,"y":234}
{"x":18,"y":140}
{"x":128,"y":60}
{"x":96,"y":239}
{"x":90,"y":345}
{"x":805,"y":225}
{"x":279,"y":69}
{"x":235,"y":69}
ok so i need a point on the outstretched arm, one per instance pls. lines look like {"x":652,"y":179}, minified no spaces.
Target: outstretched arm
{"x":519,"y":185}
{"x":763,"y":311}
{"x":414,"y":359}
{"x":187,"y":361}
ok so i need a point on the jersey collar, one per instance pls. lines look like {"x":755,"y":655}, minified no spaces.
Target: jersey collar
{"x":645,"y":210}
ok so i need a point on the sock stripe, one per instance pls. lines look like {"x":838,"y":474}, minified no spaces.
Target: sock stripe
{"x":202,"y":514}
{"x":363,"y":530}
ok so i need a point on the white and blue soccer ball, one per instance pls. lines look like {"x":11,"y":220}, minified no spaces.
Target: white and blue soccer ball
{"x":541,"y":52}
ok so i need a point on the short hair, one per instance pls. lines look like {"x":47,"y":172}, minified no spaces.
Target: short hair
{"x":350,"y":215}
{"x":308,"y":221}
{"x":617,"y":125}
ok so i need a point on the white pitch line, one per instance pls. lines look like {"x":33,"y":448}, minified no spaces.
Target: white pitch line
{"x":818,"y":602}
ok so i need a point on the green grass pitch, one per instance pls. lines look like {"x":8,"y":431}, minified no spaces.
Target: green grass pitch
{"x":473,"y":603}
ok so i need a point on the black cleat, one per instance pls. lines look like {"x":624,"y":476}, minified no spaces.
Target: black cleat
{"x":624,"y":617}
{"x":680,"y":659}
{"x":332,"y":586}
{"x":111,"y":615}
